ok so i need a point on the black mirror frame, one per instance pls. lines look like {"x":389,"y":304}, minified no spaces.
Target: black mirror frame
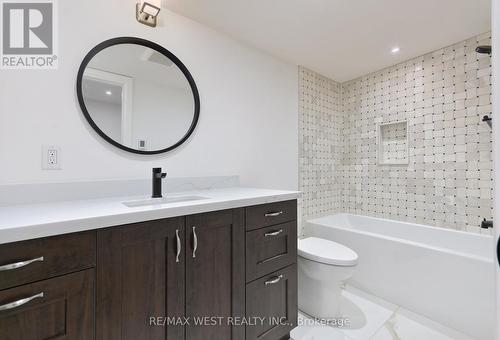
{"x":158,"y":48}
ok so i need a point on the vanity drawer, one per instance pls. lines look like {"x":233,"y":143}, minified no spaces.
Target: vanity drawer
{"x":60,"y":308}
{"x":33,"y":260}
{"x":271,"y":248}
{"x":273,"y":297}
{"x":264,"y":215}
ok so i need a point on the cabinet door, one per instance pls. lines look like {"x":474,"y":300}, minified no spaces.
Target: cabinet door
{"x":273,"y":298}
{"x":140,"y":276}
{"x":215,"y":274}
{"x":61,"y":308}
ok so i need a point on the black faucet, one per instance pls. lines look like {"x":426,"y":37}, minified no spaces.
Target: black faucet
{"x":486,"y":224}
{"x":157,"y":177}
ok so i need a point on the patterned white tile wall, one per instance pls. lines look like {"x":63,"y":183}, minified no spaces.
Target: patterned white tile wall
{"x":320,"y":139}
{"x":443,"y":95}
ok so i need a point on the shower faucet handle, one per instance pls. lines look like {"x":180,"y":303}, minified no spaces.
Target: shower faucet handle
{"x":485,"y":224}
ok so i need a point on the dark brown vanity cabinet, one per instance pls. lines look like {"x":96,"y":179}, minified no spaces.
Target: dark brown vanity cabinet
{"x":34,"y":260}
{"x":140,"y":278}
{"x":215,"y":274}
{"x":271,"y":270}
{"x":47,"y":288}
{"x":204,"y":272}
{"x":191,"y":268}
{"x":274,"y":298}
{"x":270,"y":248}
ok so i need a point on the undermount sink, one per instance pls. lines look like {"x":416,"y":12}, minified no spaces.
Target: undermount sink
{"x":164,"y":200}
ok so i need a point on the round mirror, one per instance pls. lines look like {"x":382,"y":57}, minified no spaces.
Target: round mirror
{"x":138,"y":96}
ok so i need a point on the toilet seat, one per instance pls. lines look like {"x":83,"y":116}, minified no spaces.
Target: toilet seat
{"x":327,"y":252}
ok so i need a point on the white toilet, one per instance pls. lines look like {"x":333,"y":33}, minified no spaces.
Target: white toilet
{"x":324,"y":266}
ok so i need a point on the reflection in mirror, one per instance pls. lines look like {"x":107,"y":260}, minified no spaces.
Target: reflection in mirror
{"x":104,"y":100}
{"x":138,"y":97}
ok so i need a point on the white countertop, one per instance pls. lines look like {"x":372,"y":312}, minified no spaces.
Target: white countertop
{"x":24,"y":222}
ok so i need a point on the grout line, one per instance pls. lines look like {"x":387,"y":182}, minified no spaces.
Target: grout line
{"x":393,"y":314}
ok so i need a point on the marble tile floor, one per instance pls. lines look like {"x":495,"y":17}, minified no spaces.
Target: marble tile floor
{"x":371,"y":318}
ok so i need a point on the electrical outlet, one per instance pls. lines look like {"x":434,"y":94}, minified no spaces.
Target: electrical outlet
{"x":51,"y":157}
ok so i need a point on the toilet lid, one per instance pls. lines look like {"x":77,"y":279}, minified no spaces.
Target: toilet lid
{"x":328,"y":252}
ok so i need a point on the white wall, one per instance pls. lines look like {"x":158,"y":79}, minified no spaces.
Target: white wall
{"x":248,"y":121}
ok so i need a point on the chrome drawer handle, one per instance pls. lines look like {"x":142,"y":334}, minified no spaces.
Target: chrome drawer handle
{"x":195,"y":246}
{"x":274,"y":214}
{"x":275,"y":280}
{"x":273,"y":233}
{"x":178,"y":246}
{"x":19,"y":303}
{"x":20,"y":264}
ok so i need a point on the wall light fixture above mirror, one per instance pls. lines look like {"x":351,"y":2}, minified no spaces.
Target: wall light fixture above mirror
{"x":138,"y":96}
{"x":146,"y":12}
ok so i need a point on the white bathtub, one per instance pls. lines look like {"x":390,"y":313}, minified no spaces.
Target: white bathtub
{"x":443,"y":274}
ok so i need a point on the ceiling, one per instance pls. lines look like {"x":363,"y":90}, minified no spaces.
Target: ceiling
{"x":342,"y":39}
{"x":102,"y":92}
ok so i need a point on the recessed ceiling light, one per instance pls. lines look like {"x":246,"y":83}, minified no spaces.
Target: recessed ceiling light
{"x":109,"y":93}
{"x":395,"y":50}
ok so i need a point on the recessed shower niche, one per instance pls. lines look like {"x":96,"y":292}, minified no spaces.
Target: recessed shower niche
{"x":393,"y":143}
